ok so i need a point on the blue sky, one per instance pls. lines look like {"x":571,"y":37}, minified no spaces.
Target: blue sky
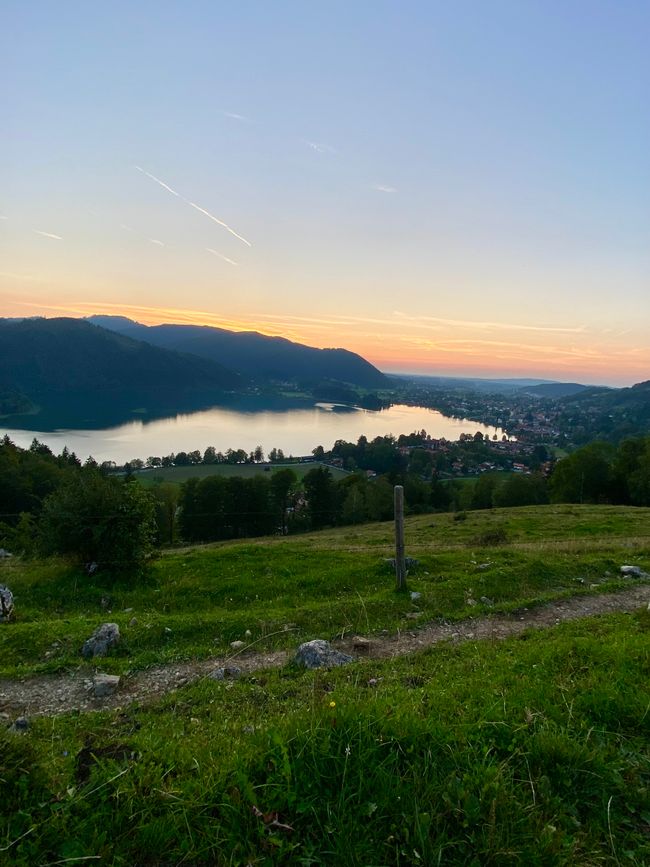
{"x":453,"y":188}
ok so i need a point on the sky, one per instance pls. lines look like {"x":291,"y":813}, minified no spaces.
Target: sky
{"x":452,"y":188}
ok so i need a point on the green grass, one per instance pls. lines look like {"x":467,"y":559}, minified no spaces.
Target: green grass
{"x":246,"y":471}
{"x":527,"y":751}
{"x":321,"y":585}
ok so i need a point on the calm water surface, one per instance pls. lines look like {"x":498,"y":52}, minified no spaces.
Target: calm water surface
{"x":295,"y":431}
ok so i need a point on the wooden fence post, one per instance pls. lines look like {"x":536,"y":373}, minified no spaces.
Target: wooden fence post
{"x":400,"y":564}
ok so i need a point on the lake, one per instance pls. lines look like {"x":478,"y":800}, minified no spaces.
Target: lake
{"x":294,"y":430}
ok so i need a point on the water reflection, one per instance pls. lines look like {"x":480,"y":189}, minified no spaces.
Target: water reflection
{"x":294,"y":429}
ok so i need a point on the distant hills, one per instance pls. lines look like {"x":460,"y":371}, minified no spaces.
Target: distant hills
{"x":253,"y":355}
{"x":54,"y":363}
{"x":537,"y":387}
{"x":76,"y":372}
{"x":555,"y":389}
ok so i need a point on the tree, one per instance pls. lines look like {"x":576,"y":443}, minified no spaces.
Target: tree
{"x":520,"y":490}
{"x":166,"y":496}
{"x":586,"y":476}
{"x":282,"y":485}
{"x":92,"y":518}
{"x":321,"y":499}
{"x":483,"y":493}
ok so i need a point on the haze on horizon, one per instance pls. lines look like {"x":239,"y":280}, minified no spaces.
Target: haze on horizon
{"x":446,"y":189}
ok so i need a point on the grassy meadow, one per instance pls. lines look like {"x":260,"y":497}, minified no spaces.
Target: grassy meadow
{"x":244,"y":471}
{"x":533,"y":750}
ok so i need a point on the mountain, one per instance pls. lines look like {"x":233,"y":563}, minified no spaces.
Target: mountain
{"x":608,"y":413}
{"x":555,"y":389}
{"x":252,"y":354}
{"x":59,"y":363}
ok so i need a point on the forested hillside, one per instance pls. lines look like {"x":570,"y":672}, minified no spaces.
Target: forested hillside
{"x":255,"y":355}
{"x":53,"y":362}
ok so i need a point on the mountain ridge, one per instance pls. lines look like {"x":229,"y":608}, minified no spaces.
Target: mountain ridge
{"x":254,"y":355}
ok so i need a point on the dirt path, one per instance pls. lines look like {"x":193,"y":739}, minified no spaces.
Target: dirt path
{"x":55,"y":694}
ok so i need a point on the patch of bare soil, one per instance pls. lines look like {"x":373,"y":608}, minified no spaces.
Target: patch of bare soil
{"x":55,"y":694}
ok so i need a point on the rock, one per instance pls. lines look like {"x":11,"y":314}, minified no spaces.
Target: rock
{"x":19,"y":725}
{"x":228,"y":672}
{"x":100,"y":642}
{"x":237,"y":645}
{"x":632,"y":572}
{"x":361,"y":644}
{"x":413,"y":615}
{"x":133,"y":621}
{"x":486,"y":600}
{"x":167,"y":630}
{"x":248,"y":634}
{"x":415,"y":595}
{"x":483,"y":566}
{"x":105,"y":685}
{"x":4,"y":554}
{"x":320,"y":654}
{"x":6,"y":604}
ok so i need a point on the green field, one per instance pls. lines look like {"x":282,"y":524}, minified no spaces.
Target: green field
{"x":533,"y":750}
{"x":324,"y":584}
{"x":246,"y":471}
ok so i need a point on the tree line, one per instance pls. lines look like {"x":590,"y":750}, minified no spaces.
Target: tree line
{"x":55,"y":505}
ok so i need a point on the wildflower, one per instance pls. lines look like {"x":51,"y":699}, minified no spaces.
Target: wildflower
{"x":332,"y":704}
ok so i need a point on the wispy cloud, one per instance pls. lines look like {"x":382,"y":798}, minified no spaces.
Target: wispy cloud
{"x":48,"y":235}
{"x":320,"y":147}
{"x":384,"y":188}
{"x":469,"y":323}
{"x":11,"y":276}
{"x":195,"y":206}
{"x":2,"y":217}
{"x":234,"y":116}
{"x":156,"y":242}
{"x":221,"y":256}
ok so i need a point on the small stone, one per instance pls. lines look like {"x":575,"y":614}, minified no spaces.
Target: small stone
{"x":128,"y":610}
{"x":227,"y":672}
{"x":167,"y":630}
{"x":19,"y":725}
{"x":415,"y":595}
{"x":373,"y":681}
{"x":413,"y":615}
{"x":486,"y":601}
{"x":6,"y":604}
{"x":100,"y":642}
{"x":632,"y":572}
{"x":483,"y":566}
{"x":105,"y":685}
{"x":133,"y":621}
{"x":248,"y":634}
{"x":360,"y":644}
{"x":237,"y":645}
{"x":471,"y":602}
{"x":320,"y":654}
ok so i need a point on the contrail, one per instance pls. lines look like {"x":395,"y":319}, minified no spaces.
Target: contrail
{"x":221,"y":256}
{"x":48,"y":235}
{"x":195,"y":206}
{"x":217,"y":220}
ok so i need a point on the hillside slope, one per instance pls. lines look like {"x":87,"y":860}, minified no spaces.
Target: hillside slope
{"x":51,"y":362}
{"x":254,"y":355}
